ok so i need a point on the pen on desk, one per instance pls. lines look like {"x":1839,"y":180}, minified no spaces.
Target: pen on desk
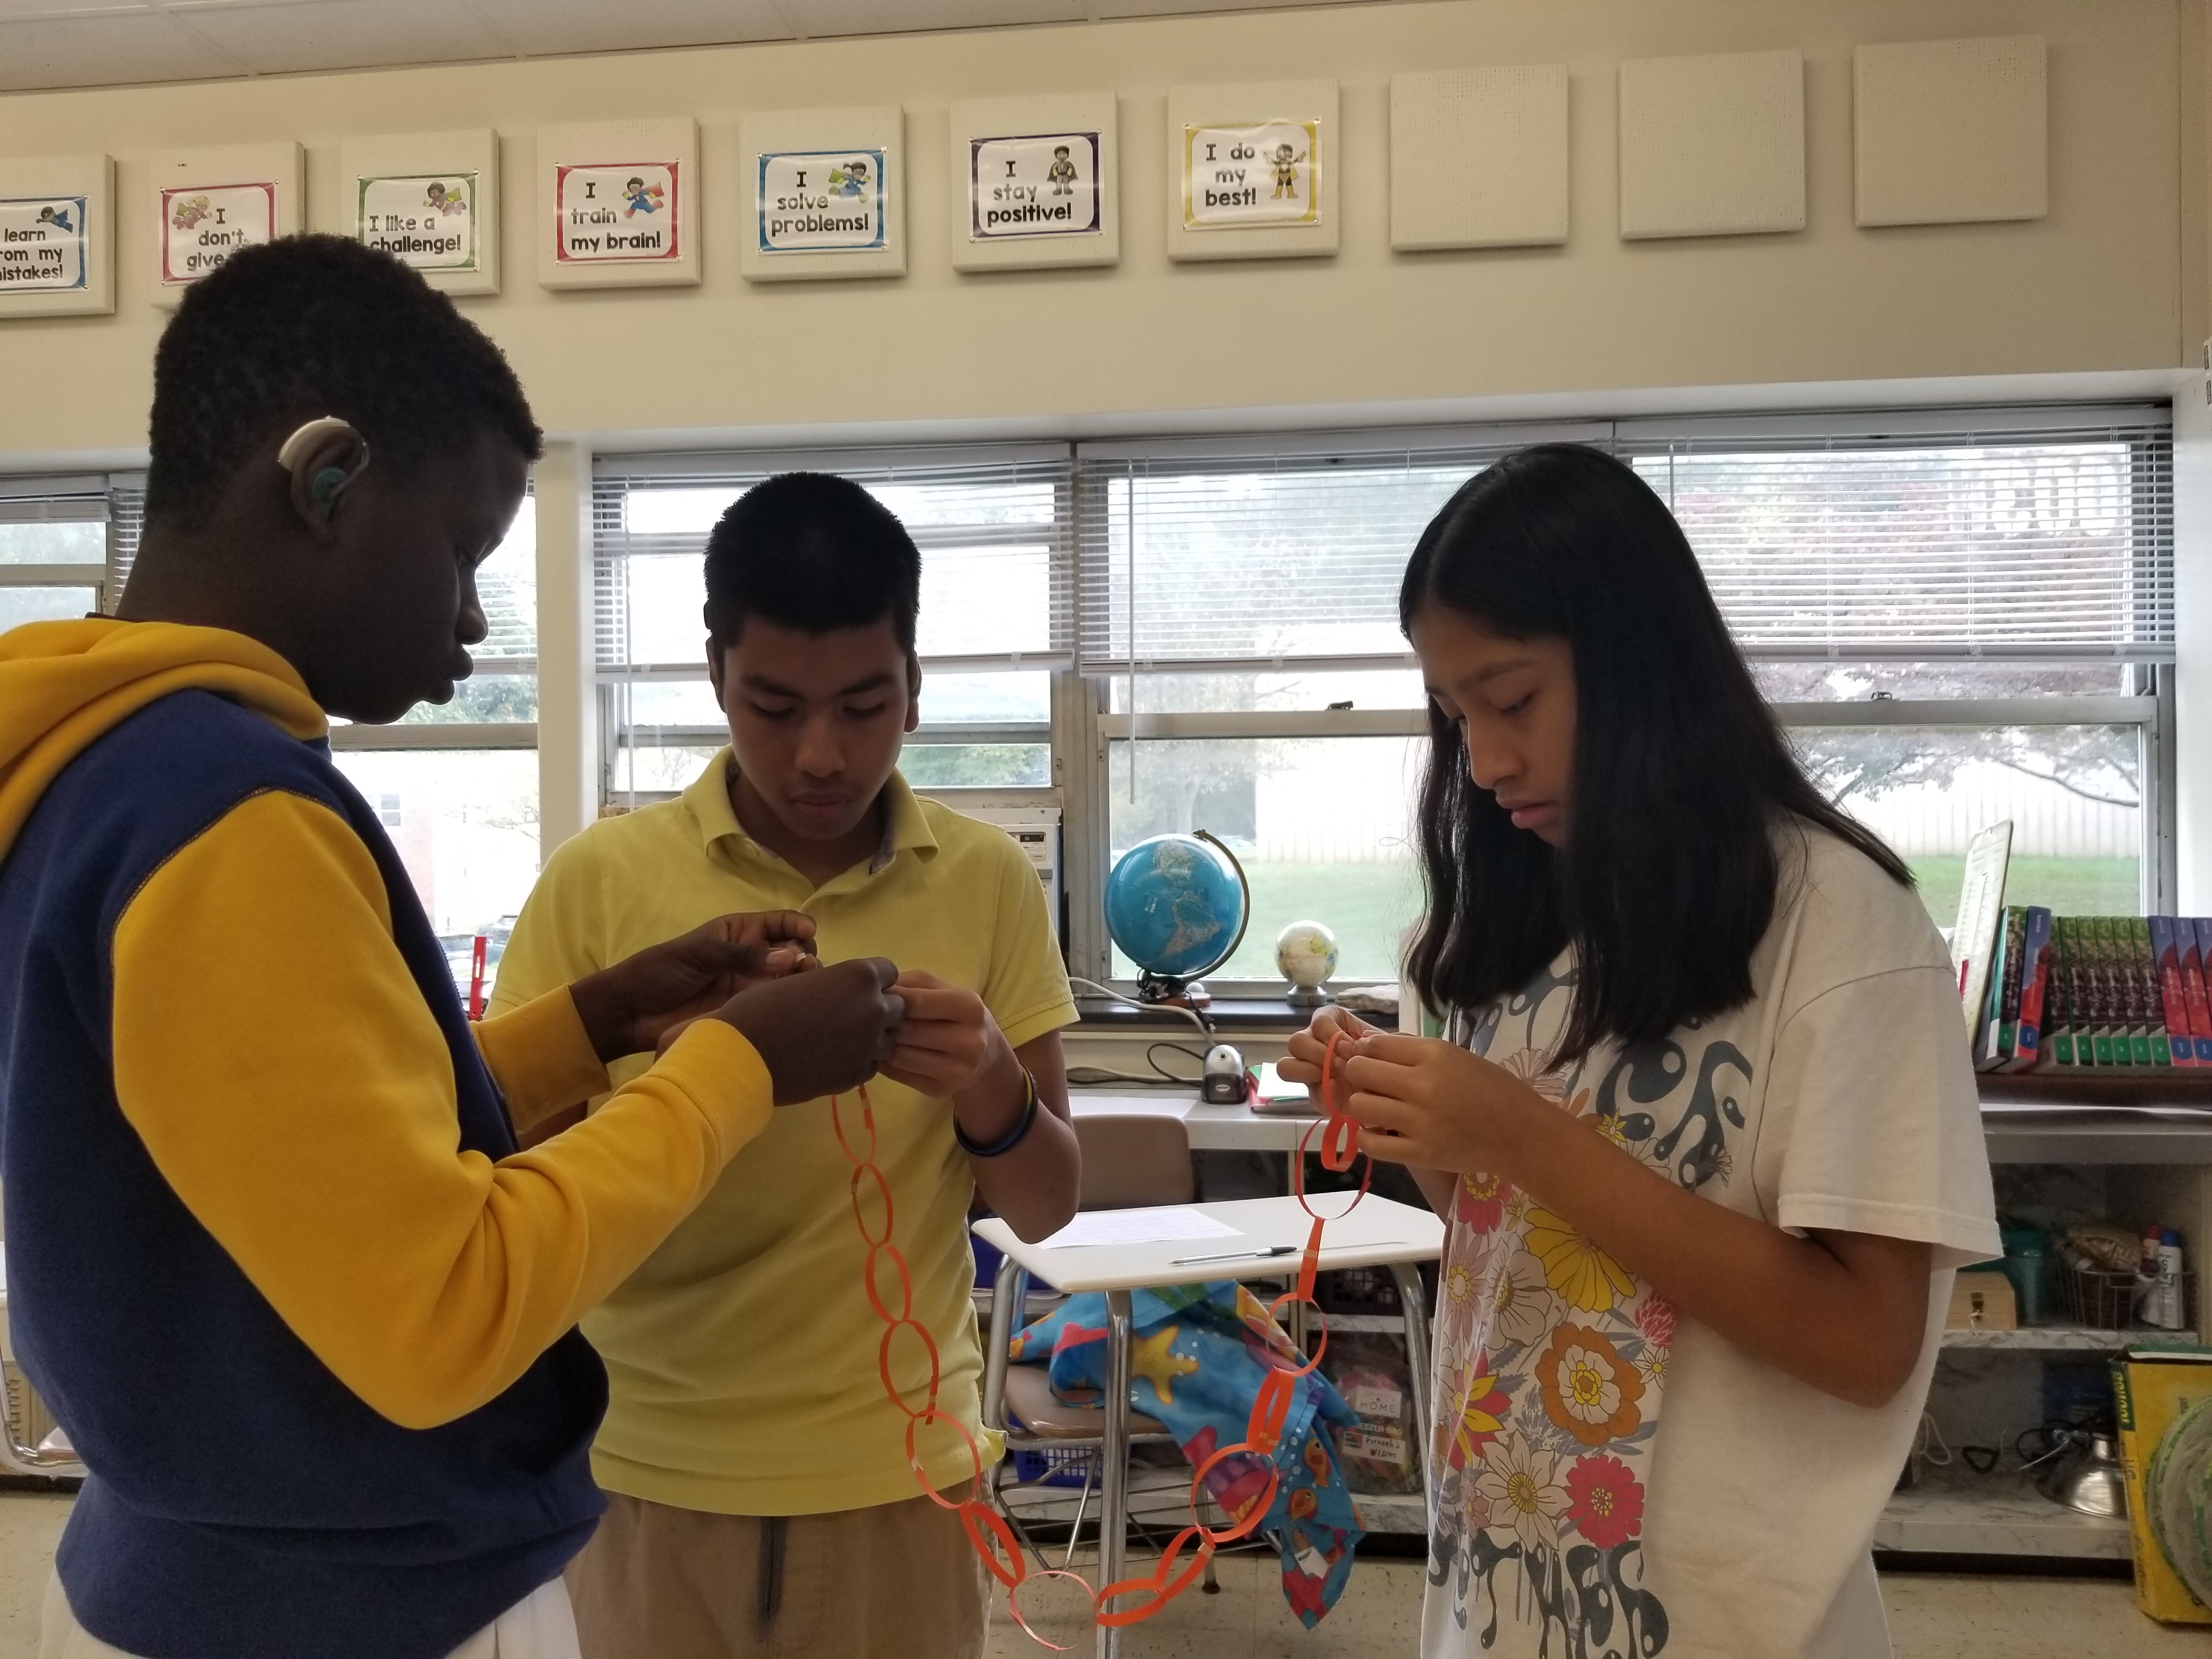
{"x":1236,"y":1255}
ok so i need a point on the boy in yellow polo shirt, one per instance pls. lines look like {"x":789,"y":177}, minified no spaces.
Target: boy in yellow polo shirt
{"x":761,"y":1499}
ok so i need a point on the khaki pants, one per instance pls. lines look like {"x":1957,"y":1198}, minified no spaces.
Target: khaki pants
{"x":899,"y":1581}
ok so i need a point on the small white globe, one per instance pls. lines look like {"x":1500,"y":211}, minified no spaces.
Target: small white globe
{"x":1305,"y":954}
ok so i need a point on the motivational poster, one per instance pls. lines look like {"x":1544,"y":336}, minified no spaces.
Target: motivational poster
{"x":815,"y":200}
{"x":618,"y":201}
{"x":209,"y":205}
{"x":42,"y":243}
{"x":1041,"y":185}
{"x":426,"y":221}
{"x":56,"y":235}
{"x":1035,"y":181}
{"x":825,"y":194}
{"x":429,"y":199}
{"x":1236,"y":177}
{"x":1250,"y":171}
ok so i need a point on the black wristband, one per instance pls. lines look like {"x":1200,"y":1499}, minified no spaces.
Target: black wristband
{"x":1016,"y":1136}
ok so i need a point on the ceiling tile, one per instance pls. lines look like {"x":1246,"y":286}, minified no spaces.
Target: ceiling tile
{"x":543,"y":27}
{"x":330,"y":34}
{"x":12,"y":9}
{"x":1106,"y":8}
{"x":103,"y":51}
{"x":831,"y":17}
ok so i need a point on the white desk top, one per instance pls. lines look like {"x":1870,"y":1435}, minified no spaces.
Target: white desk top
{"x":1379,"y":1231}
{"x":1212,"y":1128}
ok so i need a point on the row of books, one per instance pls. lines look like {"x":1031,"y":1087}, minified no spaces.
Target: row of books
{"x":2096,"y":991}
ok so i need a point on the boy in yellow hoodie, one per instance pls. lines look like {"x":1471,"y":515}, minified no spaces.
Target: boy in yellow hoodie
{"x":302,"y":1308}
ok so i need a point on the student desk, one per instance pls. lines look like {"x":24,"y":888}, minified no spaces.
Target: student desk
{"x":1379,"y":1233}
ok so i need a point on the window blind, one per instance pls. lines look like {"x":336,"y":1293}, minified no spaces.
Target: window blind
{"x":2010,"y":535}
{"x":992,"y":523}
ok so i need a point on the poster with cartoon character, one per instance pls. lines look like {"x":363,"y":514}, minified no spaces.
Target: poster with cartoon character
{"x":426,"y":221}
{"x":617,"y":213}
{"x":201,"y":226}
{"x":1037,"y":185}
{"x":818,"y":201}
{"x":1239,"y":177}
{"x":42,"y":243}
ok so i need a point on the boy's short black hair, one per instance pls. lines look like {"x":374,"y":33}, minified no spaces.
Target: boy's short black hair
{"x":311,"y":326}
{"x":812,"y":551}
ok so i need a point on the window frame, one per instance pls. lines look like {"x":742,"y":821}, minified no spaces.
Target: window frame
{"x":613,"y":474}
{"x":1082,"y":725}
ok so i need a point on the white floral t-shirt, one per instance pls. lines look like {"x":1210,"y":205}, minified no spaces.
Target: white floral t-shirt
{"x":1611,"y":1478}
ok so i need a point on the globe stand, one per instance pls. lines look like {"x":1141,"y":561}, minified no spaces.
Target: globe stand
{"x":1153,"y":987}
{"x":1309,"y":996}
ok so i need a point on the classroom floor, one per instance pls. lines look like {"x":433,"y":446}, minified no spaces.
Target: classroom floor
{"x":1931,"y":1616}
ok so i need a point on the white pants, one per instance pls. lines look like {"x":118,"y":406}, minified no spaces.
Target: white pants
{"x":539,"y":1626}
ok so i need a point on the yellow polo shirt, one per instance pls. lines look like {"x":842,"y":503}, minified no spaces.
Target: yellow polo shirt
{"x":742,"y":1357}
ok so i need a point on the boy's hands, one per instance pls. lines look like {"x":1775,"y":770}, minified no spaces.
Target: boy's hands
{"x":820,"y":1033}
{"x":631,"y":1008}
{"x":950,"y":1047}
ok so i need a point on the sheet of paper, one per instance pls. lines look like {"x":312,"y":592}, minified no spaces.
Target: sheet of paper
{"x":1167,"y":1223}
{"x":1175,"y":1106}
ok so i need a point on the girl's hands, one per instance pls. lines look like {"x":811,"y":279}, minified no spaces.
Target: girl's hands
{"x":1309,"y":1045}
{"x":1432,"y":1104}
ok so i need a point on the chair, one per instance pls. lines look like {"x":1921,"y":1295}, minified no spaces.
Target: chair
{"x":1128,"y":1163}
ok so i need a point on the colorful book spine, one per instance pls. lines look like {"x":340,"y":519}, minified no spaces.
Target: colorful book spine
{"x":2147,"y":1026}
{"x":2189,"y":936}
{"x":2105,"y":1015}
{"x":2081,"y":991}
{"x":2172,"y":993}
{"x":2059,"y":999}
{"x":2002,"y":1028}
{"x":2034,"y":989}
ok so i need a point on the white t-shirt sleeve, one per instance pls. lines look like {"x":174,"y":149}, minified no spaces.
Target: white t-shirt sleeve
{"x":1873,"y":1118}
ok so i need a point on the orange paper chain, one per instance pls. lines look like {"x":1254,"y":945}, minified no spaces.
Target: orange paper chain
{"x":986,"y":1529}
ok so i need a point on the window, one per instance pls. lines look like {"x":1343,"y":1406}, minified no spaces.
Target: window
{"x":995,"y":631}
{"x":1959,"y":617}
{"x":1962,"y":617}
{"x":59,"y":554}
{"x":456,"y":783}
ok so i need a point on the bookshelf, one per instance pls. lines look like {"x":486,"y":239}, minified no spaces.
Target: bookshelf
{"x":2144,"y":1140}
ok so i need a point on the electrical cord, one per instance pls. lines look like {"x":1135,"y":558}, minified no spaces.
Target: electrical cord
{"x":1189,"y":1012}
{"x":1180,"y":1048}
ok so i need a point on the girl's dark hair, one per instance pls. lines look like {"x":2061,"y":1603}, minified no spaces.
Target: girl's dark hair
{"x":1681,"y":775}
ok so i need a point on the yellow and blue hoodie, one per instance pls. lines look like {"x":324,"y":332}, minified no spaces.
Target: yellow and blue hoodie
{"x":273,"y":1259}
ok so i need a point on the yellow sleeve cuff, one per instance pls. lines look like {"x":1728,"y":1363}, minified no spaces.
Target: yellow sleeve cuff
{"x":724,"y":1076}
{"x":542,"y":1058}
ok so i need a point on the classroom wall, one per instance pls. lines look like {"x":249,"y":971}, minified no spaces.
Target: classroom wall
{"x":2099,"y":285}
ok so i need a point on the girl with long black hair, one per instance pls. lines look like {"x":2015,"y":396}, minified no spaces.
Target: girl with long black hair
{"x":1705,"y":1129}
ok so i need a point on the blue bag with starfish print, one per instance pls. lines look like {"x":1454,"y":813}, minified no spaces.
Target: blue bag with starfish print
{"x":1197,"y":1355}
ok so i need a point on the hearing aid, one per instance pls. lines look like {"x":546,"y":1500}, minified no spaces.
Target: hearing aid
{"x":329,"y":482}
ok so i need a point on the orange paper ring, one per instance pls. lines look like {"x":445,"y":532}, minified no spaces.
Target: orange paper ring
{"x":867,"y":1118}
{"x":1275,"y":1312}
{"x":1155,"y":1598}
{"x":980,"y":1518}
{"x":913,"y":1458}
{"x":1299,"y":1176}
{"x":859,"y":1215}
{"x":1340,"y":1143}
{"x":1271,"y":1409}
{"x":1014,"y":1604}
{"x":905,"y":1313}
{"x":884,"y":1367}
{"x":1171,"y":1588}
{"x":1253,"y":1516}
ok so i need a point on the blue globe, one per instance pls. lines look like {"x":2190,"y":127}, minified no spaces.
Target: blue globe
{"x":1175,"y":905}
